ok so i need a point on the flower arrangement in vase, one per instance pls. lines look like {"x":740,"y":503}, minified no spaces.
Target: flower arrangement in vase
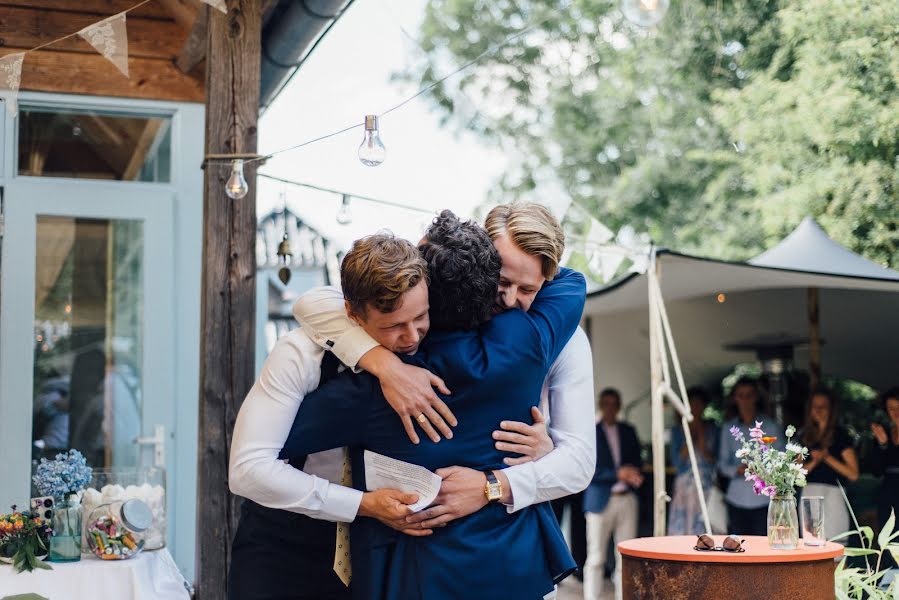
{"x":24,"y":540}
{"x":776,"y":474}
{"x":63,"y":478}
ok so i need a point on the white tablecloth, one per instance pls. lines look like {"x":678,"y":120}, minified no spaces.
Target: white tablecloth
{"x":148,"y":576}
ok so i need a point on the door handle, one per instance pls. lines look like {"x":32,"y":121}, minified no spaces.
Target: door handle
{"x":158,"y":443}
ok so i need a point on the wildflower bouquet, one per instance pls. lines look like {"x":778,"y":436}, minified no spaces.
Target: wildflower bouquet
{"x":772,"y":472}
{"x":63,"y":477}
{"x":24,"y":540}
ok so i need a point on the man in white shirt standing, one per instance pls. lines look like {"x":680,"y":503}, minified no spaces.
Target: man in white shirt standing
{"x":285,"y":544}
{"x":530,"y":242}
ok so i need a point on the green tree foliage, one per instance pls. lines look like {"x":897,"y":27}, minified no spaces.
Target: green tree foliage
{"x":716,"y":132}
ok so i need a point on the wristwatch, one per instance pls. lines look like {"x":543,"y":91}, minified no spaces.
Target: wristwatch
{"x":494,"y":489}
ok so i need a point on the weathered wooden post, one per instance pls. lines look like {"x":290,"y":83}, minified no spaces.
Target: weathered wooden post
{"x":229,"y":278}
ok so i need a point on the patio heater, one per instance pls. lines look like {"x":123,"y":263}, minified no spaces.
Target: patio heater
{"x":775,"y":355}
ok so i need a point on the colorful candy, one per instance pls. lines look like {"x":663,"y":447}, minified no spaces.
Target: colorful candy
{"x":109,"y":540}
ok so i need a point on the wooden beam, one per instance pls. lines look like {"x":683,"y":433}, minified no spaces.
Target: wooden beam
{"x":94,"y":7}
{"x":194,"y":50}
{"x":144,"y":142}
{"x":28,"y":28}
{"x":183,"y":11}
{"x":93,"y":75}
{"x":228,"y":328}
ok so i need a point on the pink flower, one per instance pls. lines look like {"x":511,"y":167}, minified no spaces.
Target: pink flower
{"x":756,"y":432}
{"x":770,"y":491}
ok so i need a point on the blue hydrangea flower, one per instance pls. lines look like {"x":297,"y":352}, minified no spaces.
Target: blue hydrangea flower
{"x":67,"y":474}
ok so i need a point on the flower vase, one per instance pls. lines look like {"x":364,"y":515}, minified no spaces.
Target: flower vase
{"x":783,"y":523}
{"x":65,"y":543}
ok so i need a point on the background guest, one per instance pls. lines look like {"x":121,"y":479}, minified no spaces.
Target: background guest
{"x":886,"y":456}
{"x":610,"y":501}
{"x":832,"y":459}
{"x":686,"y":515}
{"x":747,"y":512}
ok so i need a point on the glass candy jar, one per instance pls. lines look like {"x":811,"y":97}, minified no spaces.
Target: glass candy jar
{"x":120,"y":484}
{"x":116,"y":531}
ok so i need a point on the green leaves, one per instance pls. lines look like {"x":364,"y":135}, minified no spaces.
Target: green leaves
{"x":716,"y":132}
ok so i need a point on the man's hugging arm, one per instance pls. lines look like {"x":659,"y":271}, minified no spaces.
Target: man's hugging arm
{"x":336,"y":415}
{"x":408,"y":389}
{"x":557,"y":310}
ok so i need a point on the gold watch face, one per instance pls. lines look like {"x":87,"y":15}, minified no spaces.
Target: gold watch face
{"x":494,"y":491}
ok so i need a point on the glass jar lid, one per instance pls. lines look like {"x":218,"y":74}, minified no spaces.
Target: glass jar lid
{"x":136,"y":515}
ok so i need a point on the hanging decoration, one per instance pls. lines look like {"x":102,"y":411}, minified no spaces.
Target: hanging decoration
{"x":343,"y":215}
{"x":109,"y":37}
{"x":284,"y":253}
{"x":372,"y":151}
{"x":236,"y":187}
{"x":218,"y":5}
{"x":10,"y":77}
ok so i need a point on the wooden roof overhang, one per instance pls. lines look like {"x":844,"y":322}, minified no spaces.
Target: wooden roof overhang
{"x":166,"y":48}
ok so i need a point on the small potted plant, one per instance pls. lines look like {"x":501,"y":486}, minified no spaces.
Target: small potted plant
{"x":63,"y":479}
{"x":24,"y":540}
{"x":776,"y":474}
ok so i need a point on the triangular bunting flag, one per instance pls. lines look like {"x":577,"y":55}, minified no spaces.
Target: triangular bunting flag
{"x":110,"y":38}
{"x":10,"y":77}
{"x":218,"y":5}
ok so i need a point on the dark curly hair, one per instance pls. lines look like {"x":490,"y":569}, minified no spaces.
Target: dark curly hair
{"x":463,"y":269}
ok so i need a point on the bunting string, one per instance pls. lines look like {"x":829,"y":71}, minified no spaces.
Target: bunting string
{"x":109,"y":37}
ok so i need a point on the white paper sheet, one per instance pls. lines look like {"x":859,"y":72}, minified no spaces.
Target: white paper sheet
{"x":385,"y":472}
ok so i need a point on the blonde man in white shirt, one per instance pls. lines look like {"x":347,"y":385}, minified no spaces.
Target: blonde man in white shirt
{"x":530,"y":242}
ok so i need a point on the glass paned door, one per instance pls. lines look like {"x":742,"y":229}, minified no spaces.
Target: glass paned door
{"x":86,"y":326}
{"x":88,"y":338}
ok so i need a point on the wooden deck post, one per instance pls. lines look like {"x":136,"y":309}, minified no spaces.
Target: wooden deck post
{"x":229,"y":279}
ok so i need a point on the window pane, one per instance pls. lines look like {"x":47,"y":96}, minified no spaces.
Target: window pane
{"x":93,"y":145}
{"x":88,"y":334}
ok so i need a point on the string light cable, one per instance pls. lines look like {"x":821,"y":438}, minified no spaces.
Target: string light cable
{"x":249,"y":159}
{"x":318,"y":188}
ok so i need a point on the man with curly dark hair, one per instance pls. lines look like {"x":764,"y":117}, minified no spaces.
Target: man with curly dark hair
{"x":463,"y":266}
{"x":496,"y":368}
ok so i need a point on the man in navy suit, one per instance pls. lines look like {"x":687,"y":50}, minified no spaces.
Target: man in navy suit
{"x":496,"y":369}
{"x":610,"y":500}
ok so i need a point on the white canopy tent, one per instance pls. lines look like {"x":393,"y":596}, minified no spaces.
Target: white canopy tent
{"x":712,"y":304}
{"x":763,"y":298}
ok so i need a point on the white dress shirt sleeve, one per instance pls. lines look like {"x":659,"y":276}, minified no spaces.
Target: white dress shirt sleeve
{"x":569,"y":468}
{"x":291,"y":371}
{"x":322,"y":313}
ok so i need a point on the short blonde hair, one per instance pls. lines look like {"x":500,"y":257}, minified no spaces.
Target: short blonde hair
{"x":531,"y":227}
{"x":378,"y":270}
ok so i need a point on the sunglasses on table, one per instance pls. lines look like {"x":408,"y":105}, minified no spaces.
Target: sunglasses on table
{"x":731,"y":543}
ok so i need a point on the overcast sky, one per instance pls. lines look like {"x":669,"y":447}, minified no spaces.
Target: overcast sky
{"x":348,"y":76}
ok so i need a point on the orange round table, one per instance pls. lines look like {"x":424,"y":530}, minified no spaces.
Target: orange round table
{"x":669,"y":568}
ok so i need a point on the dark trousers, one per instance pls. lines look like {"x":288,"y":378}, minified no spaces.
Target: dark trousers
{"x":747,"y":521}
{"x":280,"y":555}
{"x":575,"y":506}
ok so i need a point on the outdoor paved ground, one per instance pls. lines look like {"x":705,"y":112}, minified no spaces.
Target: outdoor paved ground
{"x":571,"y":589}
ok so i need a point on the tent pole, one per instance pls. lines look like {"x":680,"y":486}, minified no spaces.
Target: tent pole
{"x":814,"y":339}
{"x":658,"y":424}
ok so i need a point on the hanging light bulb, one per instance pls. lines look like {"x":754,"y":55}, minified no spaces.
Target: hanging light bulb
{"x":645,"y":13}
{"x":236,"y":187}
{"x":343,"y":215}
{"x":372,"y":151}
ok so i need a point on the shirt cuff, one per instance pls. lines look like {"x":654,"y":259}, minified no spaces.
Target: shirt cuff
{"x":522,"y":485}
{"x":352,"y":346}
{"x":342,"y":503}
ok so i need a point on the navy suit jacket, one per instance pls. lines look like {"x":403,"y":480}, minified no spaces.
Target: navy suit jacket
{"x":496,"y":373}
{"x":597,"y":494}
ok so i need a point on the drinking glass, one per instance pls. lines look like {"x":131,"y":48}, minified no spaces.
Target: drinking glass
{"x":812,"y":510}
